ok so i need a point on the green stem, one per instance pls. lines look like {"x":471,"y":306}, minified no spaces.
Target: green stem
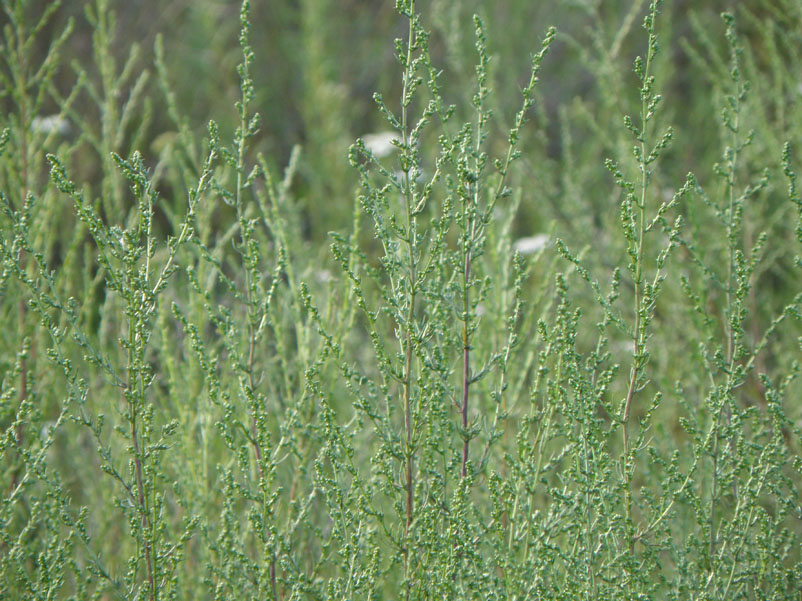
{"x":639,"y":337}
{"x":135,"y":394}
{"x":411,"y":235}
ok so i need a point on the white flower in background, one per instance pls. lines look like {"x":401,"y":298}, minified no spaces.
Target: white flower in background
{"x":50,"y":124}
{"x":323,"y":276}
{"x":380,"y":144}
{"x":530,"y":244}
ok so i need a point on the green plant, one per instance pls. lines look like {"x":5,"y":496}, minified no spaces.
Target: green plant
{"x":205,"y":396}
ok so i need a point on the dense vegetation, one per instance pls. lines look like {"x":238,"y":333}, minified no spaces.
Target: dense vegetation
{"x":539,"y":341}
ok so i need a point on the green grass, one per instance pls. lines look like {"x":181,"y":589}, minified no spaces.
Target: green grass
{"x":544,"y":346}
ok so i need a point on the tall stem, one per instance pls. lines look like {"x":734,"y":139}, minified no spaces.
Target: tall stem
{"x":638,"y":334}
{"x":728,"y":326}
{"x":245,"y":130}
{"x":411,"y":236}
{"x":466,"y":350}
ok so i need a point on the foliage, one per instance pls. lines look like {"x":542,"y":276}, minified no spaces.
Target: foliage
{"x":478,"y":365}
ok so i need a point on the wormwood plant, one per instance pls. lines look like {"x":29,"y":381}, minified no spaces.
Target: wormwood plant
{"x":200,"y":400}
{"x":431,"y":218}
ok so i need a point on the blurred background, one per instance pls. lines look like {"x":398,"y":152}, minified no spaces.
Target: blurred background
{"x":318,"y":63}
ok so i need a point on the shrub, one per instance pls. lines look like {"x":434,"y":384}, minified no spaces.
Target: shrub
{"x":507,"y":374}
